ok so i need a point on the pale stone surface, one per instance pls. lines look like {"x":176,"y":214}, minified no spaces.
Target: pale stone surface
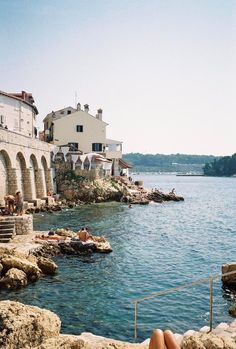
{"x":24,"y":326}
{"x":14,"y":278}
{"x":47,"y":266}
{"x":63,"y":342}
{"x":189,"y":333}
{"x":204,"y":329}
{"x":179,"y":338}
{"x":91,"y":342}
{"x":31,"y":270}
{"x":222,"y":326}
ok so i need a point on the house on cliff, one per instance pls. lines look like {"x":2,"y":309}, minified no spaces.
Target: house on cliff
{"x":24,"y":159}
{"x":83,"y":133}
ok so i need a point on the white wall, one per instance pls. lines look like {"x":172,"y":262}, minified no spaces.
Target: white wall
{"x":17,"y":115}
{"x":4,"y":179}
{"x":94,"y":130}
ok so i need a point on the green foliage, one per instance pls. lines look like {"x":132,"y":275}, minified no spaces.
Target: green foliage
{"x":168,"y":163}
{"x":225,"y":166}
{"x":71,"y":176}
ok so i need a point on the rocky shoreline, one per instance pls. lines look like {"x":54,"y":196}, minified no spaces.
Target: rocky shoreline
{"x":119,"y":189}
{"x":30,"y":327}
{"x":25,"y":259}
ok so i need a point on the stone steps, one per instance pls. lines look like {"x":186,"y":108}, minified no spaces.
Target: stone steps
{"x":7,"y":229}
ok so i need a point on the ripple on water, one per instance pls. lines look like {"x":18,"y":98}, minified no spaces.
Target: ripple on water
{"x":154,"y":247}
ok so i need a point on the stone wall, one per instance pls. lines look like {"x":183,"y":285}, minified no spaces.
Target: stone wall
{"x":25,"y":165}
{"x":23,"y":224}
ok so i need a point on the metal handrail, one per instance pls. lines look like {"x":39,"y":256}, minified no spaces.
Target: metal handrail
{"x":209,"y":279}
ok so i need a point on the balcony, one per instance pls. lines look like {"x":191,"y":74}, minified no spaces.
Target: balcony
{"x":113,"y":149}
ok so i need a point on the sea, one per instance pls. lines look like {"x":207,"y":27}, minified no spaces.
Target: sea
{"x":155,"y":248}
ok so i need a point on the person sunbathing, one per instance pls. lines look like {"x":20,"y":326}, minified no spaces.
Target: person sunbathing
{"x":84,"y":235}
{"x":162,"y":340}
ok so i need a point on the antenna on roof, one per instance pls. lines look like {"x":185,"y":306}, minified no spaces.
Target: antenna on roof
{"x":76,"y":99}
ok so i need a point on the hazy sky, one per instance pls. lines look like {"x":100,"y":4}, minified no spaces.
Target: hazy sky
{"x":164,"y":71}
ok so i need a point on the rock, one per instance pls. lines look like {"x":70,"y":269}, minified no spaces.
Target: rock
{"x":208,"y":341}
{"x":63,"y":342}
{"x":89,"y":341}
{"x":229,"y":280}
{"x":66,"y":248}
{"x":1,"y":268}
{"x":232,"y":310}
{"x":13,"y":279}
{"x":103,"y":247}
{"x":24,"y":326}
{"x":192,"y":342}
{"x":65,"y":232}
{"x":47,"y":250}
{"x":204,"y":329}
{"x":47,"y":266}
{"x":189,"y":333}
{"x":31,"y":270}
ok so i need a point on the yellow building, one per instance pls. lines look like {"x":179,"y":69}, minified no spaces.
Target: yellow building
{"x":82,"y":132}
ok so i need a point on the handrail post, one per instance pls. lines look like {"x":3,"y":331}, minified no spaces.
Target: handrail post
{"x":211,"y":304}
{"x":135,"y":321}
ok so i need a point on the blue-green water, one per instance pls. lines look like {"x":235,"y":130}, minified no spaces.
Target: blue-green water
{"x":154,"y":247}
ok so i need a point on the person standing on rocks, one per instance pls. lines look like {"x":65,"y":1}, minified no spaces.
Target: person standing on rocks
{"x":19,"y":203}
{"x":9,"y":203}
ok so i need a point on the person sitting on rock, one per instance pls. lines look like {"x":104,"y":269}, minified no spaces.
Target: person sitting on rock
{"x":162,"y":340}
{"x":172,"y":192}
{"x":84,"y":235}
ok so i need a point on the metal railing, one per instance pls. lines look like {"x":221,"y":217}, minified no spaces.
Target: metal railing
{"x":209,"y":279}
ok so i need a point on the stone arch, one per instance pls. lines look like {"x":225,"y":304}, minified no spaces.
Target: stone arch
{"x":47,"y":178}
{"x":5,"y":166}
{"x":86,"y":164}
{"x":23,"y":177}
{"x":34,"y":176}
{"x":78,"y":164}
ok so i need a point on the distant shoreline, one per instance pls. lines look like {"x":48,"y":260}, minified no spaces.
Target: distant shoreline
{"x":189,"y":175}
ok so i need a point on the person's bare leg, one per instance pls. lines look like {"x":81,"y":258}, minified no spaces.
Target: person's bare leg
{"x":170,"y":340}
{"x":157,"y":340}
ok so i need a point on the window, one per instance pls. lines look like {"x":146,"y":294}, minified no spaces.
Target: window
{"x":73,"y":146}
{"x":79,"y":128}
{"x":96,"y":146}
{"x":2,"y":119}
{"x":68,"y":112}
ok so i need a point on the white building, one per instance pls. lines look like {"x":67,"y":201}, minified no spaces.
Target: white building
{"x":24,"y":160}
{"x":18,"y":113}
{"x":82,"y":132}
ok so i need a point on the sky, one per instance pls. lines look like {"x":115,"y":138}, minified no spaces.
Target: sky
{"x":163,"y":71}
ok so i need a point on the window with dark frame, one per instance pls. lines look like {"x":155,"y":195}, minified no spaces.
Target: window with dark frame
{"x":73,"y":146}
{"x":79,"y":128}
{"x":96,"y":146}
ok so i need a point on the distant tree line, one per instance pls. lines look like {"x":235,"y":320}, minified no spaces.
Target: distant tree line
{"x":225,"y":166}
{"x":168,"y":163}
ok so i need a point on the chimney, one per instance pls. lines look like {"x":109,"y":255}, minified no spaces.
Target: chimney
{"x":86,"y":108}
{"x":23,"y":94}
{"x":99,"y":114}
{"x":78,"y":106}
